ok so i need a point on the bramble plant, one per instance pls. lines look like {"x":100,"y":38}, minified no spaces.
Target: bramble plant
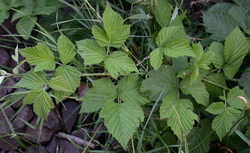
{"x":183,"y":83}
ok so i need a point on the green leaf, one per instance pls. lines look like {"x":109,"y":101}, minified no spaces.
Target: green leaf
{"x":218,"y":60}
{"x":46,"y":7}
{"x":114,"y":29}
{"x":119,"y":63}
{"x":160,"y":83}
{"x":163,"y":12}
{"x":240,"y":15}
{"x":197,"y":89}
{"x":234,"y":98}
{"x":216,"y":108}
{"x":224,"y":121}
{"x":32,"y":80}
{"x":128,"y":90}
{"x":168,"y":34}
{"x":90,"y":51}
{"x":195,"y":73}
{"x":40,"y":56}
{"x":60,"y":95}
{"x":218,"y":22}
{"x":58,"y":83}
{"x":122,"y":120}
{"x":156,"y":57}
{"x":243,"y":3}
{"x":244,"y":81}
{"x":177,"y":48}
{"x":103,"y":91}
{"x":179,"y":114}
{"x":66,"y":49}
{"x":200,"y":137}
{"x":100,"y":36}
{"x":70,"y":74}
{"x":42,"y":103}
{"x":25,"y":26}
{"x":236,"y":48}
{"x":4,"y":14}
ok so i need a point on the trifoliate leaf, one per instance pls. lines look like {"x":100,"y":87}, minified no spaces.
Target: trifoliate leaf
{"x":163,"y":12}
{"x":59,"y":83}
{"x":90,"y":51}
{"x":234,"y":98}
{"x":32,"y":80}
{"x":119,"y":63}
{"x":42,"y":103}
{"x":114,"y":29}
{"x":244,"y":81}
{"x":128,"y":90}
{"x":103,"y":91}
{"x":25,"y":26}
{"x":66,"y":49}
{"x":216,"y":108}
{"x":122,"y":120}
{"x":197,"y":89}
{"x":179,"y":114}
{"x":40,"y":56}
{"x":224,"y":121}
{"x":156,"y":57}
{"x":160,"y":83}
{"x":236,"y":48}
{"x":218,"y":60}
{"x":70,"y":74}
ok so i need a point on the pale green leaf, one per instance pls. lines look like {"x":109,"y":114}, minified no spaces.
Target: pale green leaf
{"x":103,"y":91}
{"x":25,"y":26}
{"x":163,"y":12}
{"x":160,"y":83}
{"x":195,"y":73}
{"x":60,"y":95}
{"x":168,"y":34}
{"x":180,"y":116}
{"x":40,"y":56}
{"x":156,"y":57}
{"x":70,"y":75}
{"x":100,"y":36}
{"x":122,"y":120}
{"x":59,"y":83}
{"x":224,"y":121}
{"x":128,"y":90}
{"x":42,"y":103}
{"x":66,"y":49}
{"x":197,"y":89}
{"x":119,"y":63}
{"x":234,"y":98}
{"x":216,"y":108}
{"x":32,"y":80}
{"x":218,"y":59}
{"x":90,"y":51}
{"x":115,"y":33}
{"x":236,"y":48}
{"x":177,"y":48}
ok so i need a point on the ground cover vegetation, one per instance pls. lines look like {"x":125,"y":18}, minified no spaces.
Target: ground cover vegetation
{"x":125,"y":76}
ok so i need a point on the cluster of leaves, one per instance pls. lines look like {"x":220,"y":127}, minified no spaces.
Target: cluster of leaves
{"x":189,"y":85}
{"x":27,"y":13}
{"x":222,"y":18}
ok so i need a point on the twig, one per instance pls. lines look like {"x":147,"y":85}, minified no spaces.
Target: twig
{"x":75,"y":139}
